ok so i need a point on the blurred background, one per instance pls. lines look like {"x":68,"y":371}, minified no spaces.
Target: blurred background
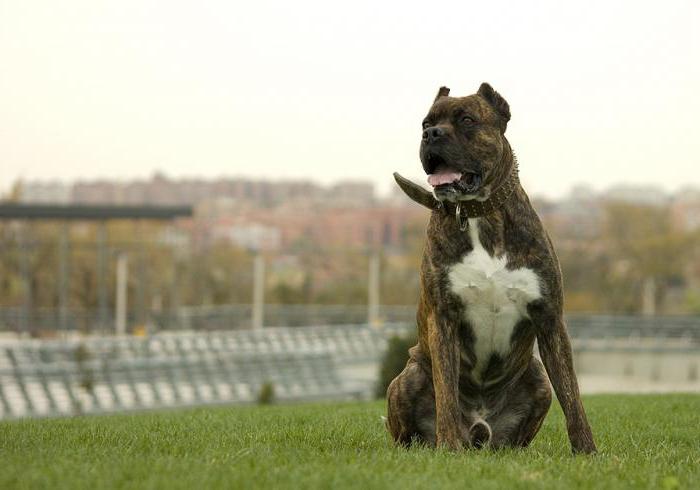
{"x":197,"y":204}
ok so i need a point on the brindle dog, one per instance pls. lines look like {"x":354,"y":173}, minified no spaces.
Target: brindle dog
{"x":490,"y":286}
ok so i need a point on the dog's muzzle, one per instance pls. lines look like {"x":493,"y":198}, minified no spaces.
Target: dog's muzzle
{"x":449,"y":185}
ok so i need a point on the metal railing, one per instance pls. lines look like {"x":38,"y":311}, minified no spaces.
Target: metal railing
{"x":201,"y":318}
{"x":238,"y":316}
{"x":634,"y":326}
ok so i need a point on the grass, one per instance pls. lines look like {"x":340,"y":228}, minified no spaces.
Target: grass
{"x":644,"y":442}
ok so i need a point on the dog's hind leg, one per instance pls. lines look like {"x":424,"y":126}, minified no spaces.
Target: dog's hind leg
{"x":537,"y":385}
{"x":411,"y":405}
{"x":528,"y":403}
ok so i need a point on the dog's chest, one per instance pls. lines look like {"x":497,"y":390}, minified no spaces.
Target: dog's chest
{"x":495,"y":297}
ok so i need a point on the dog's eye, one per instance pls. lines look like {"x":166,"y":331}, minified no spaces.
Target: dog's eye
{"x":467,"y":120}
{"x":426,"y":124}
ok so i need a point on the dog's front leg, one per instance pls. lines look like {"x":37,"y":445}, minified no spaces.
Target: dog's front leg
{"x":444,"y":353}
{"x":555,"y":350}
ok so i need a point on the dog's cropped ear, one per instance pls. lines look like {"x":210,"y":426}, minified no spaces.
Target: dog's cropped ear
{"x":419,"y":194}
{"x":496,"y":101}
{"x":442,"y":92}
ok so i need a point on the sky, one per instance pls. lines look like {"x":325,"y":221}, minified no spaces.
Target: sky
{"x":601,"y":93}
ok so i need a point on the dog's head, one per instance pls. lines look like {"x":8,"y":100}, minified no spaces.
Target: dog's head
{"x":463,"y":147}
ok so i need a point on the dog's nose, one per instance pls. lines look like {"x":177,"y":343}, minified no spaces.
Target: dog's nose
{"x":433,"y":133}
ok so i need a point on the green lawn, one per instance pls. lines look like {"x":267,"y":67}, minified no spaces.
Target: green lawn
{"x":644,"y":442}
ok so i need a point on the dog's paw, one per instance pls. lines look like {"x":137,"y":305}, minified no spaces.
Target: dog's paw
{"x":480,"y":434}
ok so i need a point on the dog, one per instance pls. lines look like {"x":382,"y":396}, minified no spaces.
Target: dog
{"x":490,"y":286}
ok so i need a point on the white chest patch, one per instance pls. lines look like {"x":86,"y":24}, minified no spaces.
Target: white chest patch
{"x":495,"y":298}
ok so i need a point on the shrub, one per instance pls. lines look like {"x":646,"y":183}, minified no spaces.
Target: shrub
{"x":266,"y":396}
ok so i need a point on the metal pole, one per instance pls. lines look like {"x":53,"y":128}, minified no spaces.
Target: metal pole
{"x":121,"y":296}
{"x":258,"y":291}
{"x":649,"y":297}
{"x":25,"y":268}
{"x":102,"y":276}
{"x":373,"y":290}
{"x":141,"y":287}
{"x":174,"y":295}
{"x":63,"y":278}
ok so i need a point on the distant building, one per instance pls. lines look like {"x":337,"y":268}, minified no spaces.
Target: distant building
{"x":261,"y":193}
{"x":96,"y":192}
{"x":685,"y":210}
{"x":252,"y":236}
{"x":45,"y":192}
{"x":282,"y":215}
{"x":351,"y":194}
{"x":637,"y":194}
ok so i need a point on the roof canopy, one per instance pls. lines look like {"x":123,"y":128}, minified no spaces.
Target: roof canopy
{"x":11,"y":211}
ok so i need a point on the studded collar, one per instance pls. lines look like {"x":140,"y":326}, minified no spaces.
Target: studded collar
{"x":475,"y":209}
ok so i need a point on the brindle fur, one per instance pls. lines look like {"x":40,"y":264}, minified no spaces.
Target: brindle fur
{"x":437,"y":398}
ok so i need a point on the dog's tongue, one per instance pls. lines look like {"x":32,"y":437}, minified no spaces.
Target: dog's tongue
{"x":443,"y":176}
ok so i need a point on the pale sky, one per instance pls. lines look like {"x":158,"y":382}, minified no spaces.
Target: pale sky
{"x":601,"y":92}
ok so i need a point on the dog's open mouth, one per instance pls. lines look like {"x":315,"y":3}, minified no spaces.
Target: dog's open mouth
{"x":445,"y":179}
